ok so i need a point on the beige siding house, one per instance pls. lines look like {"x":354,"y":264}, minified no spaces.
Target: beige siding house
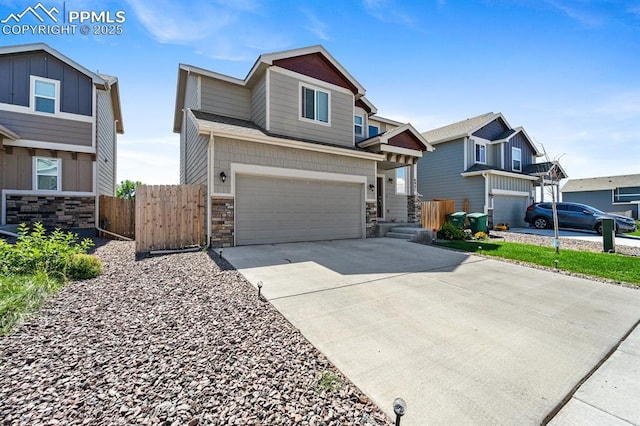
{"x":58,"y":128}
{"x":293,"y":152}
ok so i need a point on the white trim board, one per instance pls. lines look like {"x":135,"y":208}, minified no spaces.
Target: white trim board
{"x":51,"y":146}
{"x":510,"y":193}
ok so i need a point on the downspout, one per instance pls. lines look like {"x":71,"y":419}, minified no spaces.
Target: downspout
{"x":209,"y":185}
{"x":486,"y":192}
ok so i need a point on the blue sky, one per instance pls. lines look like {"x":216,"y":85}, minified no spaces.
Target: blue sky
{"x":568,"y":71}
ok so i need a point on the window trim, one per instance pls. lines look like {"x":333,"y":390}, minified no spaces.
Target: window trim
{"x":406,"y":183}
{"x":58,"y":177}
{"x":32,"y":99}
{"x":369,"y":130}
{"x":362,"y":125}
{"x":513,"y":166}
{"x":476,"y":144}
{"x":301,"y":86}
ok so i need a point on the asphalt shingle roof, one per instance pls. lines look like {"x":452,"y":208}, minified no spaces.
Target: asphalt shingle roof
{"x":450,"y":131}
{"x":601,"y":183}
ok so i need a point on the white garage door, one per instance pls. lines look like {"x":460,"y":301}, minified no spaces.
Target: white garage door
{"x":279,"y":210}
{"x":510,"y":210}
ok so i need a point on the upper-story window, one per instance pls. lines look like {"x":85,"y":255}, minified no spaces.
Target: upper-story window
{"x":47,"y":173}
{"x":314,"y":104}
{"x":373,"y":130}
{"x":45,"y":95}
{"x":481,"y":153}
{"x":516,"y":159}
{"x":358,"y":125}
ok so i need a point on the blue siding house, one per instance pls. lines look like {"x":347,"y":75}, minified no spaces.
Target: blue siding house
{"x":485,"y":165}
{"x":613,"y":194}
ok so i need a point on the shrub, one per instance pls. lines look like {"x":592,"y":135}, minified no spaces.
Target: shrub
{"x":448,"y":231}
{"x":83,"y":266}
{"x":36,"y":251}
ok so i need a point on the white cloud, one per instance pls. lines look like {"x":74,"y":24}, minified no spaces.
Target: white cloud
{"x":315,"y":25}
{"x":577,"y":13}
{"x":388,"y":11}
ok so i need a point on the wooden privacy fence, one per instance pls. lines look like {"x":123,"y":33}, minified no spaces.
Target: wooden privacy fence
{"x":434,"y":213}
{"x":169,"y":217}
{"x":116,"y":215}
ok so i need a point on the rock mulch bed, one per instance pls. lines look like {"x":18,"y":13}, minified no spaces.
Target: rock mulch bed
{"x":167,"y":340}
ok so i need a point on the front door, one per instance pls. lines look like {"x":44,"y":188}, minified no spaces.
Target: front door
{"x":380,"y":196}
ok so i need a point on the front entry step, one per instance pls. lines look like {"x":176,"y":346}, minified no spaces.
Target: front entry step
{"x":409,"y":233}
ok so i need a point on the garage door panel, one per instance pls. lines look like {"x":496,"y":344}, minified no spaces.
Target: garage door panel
{"x":277,"y":210}
{"x":510,"y":210}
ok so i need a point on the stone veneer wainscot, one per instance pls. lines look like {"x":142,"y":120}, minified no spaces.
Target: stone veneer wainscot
{"x":51,"y":210}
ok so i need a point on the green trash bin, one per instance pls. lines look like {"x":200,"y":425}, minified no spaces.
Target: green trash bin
{"x":457,"y":218}
{"x":477,"y":222}
{"x":608,"y":235}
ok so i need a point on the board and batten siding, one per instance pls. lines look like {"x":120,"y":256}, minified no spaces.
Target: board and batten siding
{"x":76,"y":88}
{"x":439,"y":177}
{"x":17,"y":170}
{"x":227,"y":151}
{"x":491,"y":130}
{"x":518,"y":141}
{"x":105,"y":144}
{"x":508,"y":183}
{"x":195,"y":154}
{"x":224,"y":98}
{"x":259,"y":102}
{"x":284,"y":109}
{"x":48,"y":129}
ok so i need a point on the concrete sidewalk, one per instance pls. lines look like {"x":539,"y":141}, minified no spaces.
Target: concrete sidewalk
{"x":462,"y":338}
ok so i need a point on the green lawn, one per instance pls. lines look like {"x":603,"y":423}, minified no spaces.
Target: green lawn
{"x":636,"y":232}
{"x":612,"y":266}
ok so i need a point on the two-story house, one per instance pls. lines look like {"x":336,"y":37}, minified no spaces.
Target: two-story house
{"x":58,"y":128}
{"x":293,"y":152}
{"x":486,"y":166}
{"x":616,"y":194}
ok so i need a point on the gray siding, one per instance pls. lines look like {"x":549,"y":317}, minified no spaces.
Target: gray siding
{"x":105,"y":144}
{"x":195,"y":154}
{"x":491,"y":130}
{"x":183,"y":150}
{"x":507,"y":183}
{"x":259,"y":102}
{"x":602,"y":200}
{"x":223,"y":98}
{"x":227,"y":151}
{"x":48,"y":129}
{"x":439,"y":177}
{"x":284,"y":103}
{"x":15,"y":71}
{"x":192,"y":95}
{"x":518,"y":141}
{"x":395,"y":206}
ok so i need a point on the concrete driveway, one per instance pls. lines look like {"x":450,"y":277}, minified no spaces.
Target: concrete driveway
{"x":461,"y":338}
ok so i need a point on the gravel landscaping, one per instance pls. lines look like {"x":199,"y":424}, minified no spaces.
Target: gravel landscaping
{"x":176,"y":339}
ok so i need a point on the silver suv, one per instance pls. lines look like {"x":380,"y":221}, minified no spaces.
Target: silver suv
{"x":575,"y":215}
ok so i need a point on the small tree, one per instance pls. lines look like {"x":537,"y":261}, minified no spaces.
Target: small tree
{"x":127,"y":189}
{"x":553,"y":177}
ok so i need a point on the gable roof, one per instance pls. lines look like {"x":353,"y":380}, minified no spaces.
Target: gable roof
{"x":101,"y":81}
{"x":459,"y":129}
{"x":263,"y":62}
{"x":392,"y":138}
{"x":602,"y":183}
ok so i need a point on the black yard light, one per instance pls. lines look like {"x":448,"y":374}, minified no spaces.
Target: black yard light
{"x":220,"y":253}
{"x":400,"y":408}
{"x":259,"y":288}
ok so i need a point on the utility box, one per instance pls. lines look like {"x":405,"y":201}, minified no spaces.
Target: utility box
{"x":457,"y":219}
{"x":608,"y":235}
{"x":477,"y":222}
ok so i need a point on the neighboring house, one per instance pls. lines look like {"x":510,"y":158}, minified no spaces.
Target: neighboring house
{"x":613,"y":194}
{"x":58,"y":128}
{"x":485,"y":166}
{"x":293,"y":152}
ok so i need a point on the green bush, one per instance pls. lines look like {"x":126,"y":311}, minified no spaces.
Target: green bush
{"x":36,"y":251}
{"x":83,"y":266}
{"x":448,"y":231}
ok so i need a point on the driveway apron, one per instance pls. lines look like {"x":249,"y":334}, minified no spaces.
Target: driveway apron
{"x":463,"y":339}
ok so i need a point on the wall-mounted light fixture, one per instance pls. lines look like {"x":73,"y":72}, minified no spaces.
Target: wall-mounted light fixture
{"x":223,"y":176}
{"x":390,"y":180}
{"x":371,"y":187}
